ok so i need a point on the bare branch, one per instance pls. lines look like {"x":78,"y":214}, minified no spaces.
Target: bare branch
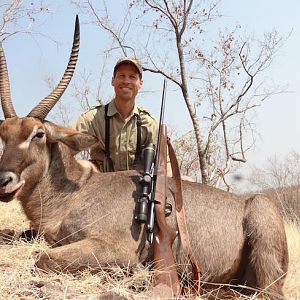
{"x":158,"y":71}
{"x":15,"y":14}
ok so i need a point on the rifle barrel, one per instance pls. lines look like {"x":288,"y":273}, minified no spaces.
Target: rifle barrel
{"x":151,"y":209}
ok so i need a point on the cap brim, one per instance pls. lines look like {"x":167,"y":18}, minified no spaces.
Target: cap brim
{"x":128,"y":61}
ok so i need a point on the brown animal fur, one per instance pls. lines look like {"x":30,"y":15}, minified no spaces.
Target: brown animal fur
{"x":88,"y":217}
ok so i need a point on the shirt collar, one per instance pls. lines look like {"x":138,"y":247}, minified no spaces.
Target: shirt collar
{"x":112,"y":110}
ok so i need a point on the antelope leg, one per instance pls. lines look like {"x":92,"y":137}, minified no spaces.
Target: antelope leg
{"x":85,"y":254}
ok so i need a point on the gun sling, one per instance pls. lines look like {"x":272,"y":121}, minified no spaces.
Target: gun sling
{"x":180,"y":217}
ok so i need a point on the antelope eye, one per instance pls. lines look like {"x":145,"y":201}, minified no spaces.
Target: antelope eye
{"x":39,"y":135}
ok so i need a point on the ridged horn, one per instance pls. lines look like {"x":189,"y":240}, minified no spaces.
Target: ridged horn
{"x":6,"y":103}
{"x":45,"y":105}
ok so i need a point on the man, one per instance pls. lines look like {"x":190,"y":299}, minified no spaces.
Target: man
{"x":122,"y":128}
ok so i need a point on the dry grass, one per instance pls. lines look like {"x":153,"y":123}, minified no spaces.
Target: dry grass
{"x":292,"y":285}
{"x":19,"y":279}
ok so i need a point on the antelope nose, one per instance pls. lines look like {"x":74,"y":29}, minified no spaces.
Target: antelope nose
{"x":6,"y":178}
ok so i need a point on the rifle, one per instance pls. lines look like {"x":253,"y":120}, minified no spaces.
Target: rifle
{"x":144,"y":211}
{"x":151,"y":207}
{"x":153,"y":202}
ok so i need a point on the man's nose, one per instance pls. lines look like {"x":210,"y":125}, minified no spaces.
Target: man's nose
{"x":126,"y":79}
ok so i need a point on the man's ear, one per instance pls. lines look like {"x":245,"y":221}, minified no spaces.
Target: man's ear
{"x":141,"y":82}
{"x":75,"y":140}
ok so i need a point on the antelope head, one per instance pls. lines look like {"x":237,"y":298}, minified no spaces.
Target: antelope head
{"x":27,"y":140}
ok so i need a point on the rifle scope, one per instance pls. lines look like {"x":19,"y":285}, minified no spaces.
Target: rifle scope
{"x":141,"y":210}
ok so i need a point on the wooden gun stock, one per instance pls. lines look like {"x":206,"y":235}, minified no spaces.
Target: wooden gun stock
{"x":164,"y":261}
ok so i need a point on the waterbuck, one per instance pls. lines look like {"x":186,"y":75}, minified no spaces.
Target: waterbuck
{"x":87,"y":217}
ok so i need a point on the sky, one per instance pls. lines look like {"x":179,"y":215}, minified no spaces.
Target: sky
{"x":278,"y":118}
{"x":32,"y":58}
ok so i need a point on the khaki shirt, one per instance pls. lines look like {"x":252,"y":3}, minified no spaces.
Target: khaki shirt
{"x":123,"y":135}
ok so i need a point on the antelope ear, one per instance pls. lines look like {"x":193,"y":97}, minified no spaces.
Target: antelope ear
{"x":75,"y":140}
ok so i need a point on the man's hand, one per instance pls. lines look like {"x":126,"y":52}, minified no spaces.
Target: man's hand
{"x":88,"y":165}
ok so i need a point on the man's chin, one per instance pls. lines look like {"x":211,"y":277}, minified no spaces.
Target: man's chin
{"x":126,"y":97}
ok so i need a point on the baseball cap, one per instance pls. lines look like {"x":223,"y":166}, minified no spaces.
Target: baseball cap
{"x":129,"y":60}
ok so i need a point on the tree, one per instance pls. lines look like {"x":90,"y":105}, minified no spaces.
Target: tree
{"x":280,"y":179}
{"x":19,"y":17}
{"x":221,"y":79}
{"x":186,"y":152}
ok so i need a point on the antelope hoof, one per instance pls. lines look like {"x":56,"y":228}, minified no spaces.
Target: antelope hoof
{"x":45,"y":263}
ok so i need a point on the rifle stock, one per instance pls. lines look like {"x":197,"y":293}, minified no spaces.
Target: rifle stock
{"x":164,"y":261}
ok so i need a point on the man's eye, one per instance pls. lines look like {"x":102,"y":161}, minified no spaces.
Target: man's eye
{"x":39,"y":135}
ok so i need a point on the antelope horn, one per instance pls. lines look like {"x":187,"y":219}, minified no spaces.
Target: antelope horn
{"x":45,"y":105}
{"x":7,"y":106}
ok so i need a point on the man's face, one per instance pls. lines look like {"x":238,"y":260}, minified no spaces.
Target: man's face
{"x":126,"y":82}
